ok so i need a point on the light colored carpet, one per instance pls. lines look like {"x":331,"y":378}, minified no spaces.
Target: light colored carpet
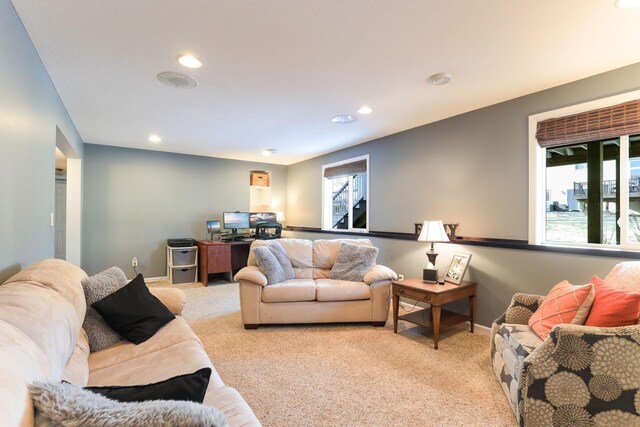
{"x":347,"y":375}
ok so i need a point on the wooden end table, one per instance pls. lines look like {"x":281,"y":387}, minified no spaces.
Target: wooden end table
{"x":436,"y":295}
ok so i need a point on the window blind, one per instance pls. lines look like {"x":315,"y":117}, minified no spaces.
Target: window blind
{"x":604,"y":123}
{"x":346,"y":169}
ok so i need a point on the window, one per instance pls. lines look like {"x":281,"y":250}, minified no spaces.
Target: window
{"x":573,"y":213}
{"x":345,"y":195}
{"x":584,"y":165}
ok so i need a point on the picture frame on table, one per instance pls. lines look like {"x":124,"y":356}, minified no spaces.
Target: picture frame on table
{"x":457,"y":268}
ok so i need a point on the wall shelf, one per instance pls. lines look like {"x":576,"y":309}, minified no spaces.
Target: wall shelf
{"x":483,"y":241}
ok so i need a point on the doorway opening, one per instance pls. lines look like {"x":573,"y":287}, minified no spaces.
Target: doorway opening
{"x":60,"y":207}
{"x":68,"y":203}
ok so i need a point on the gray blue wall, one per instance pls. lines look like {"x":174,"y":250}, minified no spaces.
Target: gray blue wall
{"x":471,"y":169}
{"x":135,"y":199}
{"x":30,"y":111}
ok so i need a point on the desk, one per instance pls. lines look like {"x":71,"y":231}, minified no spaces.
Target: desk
{"x":436,"y":295}
{"x":221,"y":257}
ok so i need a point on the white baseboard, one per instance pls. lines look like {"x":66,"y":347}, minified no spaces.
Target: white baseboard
{"x":154,"y":279}
{"x":482,"y":330}
{"x":479,"y":329}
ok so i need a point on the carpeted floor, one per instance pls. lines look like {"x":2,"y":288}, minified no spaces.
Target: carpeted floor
{"x":347,"y":375}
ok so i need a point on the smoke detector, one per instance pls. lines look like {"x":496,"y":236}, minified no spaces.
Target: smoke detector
{"x":177,"y":80}
{"x":439,"y":79}
{"x":344,"y":119}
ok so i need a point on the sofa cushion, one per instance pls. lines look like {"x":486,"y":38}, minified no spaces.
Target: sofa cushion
{"x":521,"y":339}
{"x":341,"y":290}
{"x":77,"y":370}
{"x":150,"y":367}
{"x":173,"y":350}
{"x":174,"y":332}
{"x":60,"y":276}
{"x":353,"y":262}
{"x":45,"y":316}
{"x":298,"y":251}
{"x":290,"y":290}
{"x":565,"y":303}
{"x":625,"y":275}
{"x":22,"y":362}
{"x":304,"y":273}
{"x":326,"y":251}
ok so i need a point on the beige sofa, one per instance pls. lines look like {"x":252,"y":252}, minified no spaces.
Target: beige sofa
{"x":41,"y":337}
{"x":312,"y":297}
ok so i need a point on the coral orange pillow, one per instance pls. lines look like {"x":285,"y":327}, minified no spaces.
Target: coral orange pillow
{"x":613,"y":306}
{"x":565,"y":303}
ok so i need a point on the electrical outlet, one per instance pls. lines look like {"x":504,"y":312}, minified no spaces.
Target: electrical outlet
{"x":134,"y":262}
{"x":400,"y":276}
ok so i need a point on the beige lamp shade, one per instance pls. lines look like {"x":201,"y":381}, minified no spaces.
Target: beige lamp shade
{"x":433,"y":231}
{"x":280,"y":216}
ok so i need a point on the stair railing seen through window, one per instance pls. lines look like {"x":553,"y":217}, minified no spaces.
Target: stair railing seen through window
{"x":345,"y":195}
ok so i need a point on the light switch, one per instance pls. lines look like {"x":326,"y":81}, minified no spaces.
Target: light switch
{"x":51,"y":224}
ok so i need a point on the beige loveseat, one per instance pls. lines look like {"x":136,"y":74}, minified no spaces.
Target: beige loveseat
{"x":312,"y":297}
{"x":41,"y":337}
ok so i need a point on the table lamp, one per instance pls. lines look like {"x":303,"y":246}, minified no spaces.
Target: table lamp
{"x":432,"y":231}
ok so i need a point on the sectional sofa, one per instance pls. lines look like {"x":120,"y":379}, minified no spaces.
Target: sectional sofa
{"x":41,"y":337}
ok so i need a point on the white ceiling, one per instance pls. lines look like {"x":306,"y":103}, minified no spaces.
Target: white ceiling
{"x":276,"y":71}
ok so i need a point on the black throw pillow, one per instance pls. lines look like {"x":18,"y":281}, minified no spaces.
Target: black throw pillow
{"x":191,"y":387}
{"x":133,"y":312}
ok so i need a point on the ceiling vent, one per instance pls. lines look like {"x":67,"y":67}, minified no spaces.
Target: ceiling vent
{"x":178,"y":80}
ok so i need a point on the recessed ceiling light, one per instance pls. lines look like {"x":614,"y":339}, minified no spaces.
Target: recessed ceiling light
{"x":627,"y":4}
{"x":365,"y":109}
{"x":268,"y":152}
{"x":344,"y":119}
{"x":439,"y":79}
{"x":189,"y":61}
{"x":154,"y":138}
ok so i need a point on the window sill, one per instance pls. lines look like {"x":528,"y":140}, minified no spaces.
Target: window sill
{"x":486,"y":242}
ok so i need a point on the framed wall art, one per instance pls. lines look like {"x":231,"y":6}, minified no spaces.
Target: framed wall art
{"x":457,"y":268}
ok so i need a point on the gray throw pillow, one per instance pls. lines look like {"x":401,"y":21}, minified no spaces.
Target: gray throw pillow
{"x":283,"y":259}
{"x":353,"y":262}
{"x":273,"y":264}
{"x":97,"y":287}
{"x":100,"y":334}
{"x":68,"y":405}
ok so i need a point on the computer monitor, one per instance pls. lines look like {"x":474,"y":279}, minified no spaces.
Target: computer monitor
{"x":256,"y":218}
{"x":213,"y":227}
{"x":234,"y":220}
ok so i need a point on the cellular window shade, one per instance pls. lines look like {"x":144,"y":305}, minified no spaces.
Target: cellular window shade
{"x":346,"y":169}
{"x":604,"y":123}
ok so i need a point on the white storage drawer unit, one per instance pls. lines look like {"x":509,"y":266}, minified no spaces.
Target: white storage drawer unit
{"x":182,"y":274}
{"x":183,"y":256}
{"x":182,"y":264}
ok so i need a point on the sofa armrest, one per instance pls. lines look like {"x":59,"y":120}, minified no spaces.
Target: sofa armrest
{"x":520,"y":309}
{"x":600,"y":364}
{"x":251,"y":274}
{"x":174,"y":299}
{"x":378,"y":273}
